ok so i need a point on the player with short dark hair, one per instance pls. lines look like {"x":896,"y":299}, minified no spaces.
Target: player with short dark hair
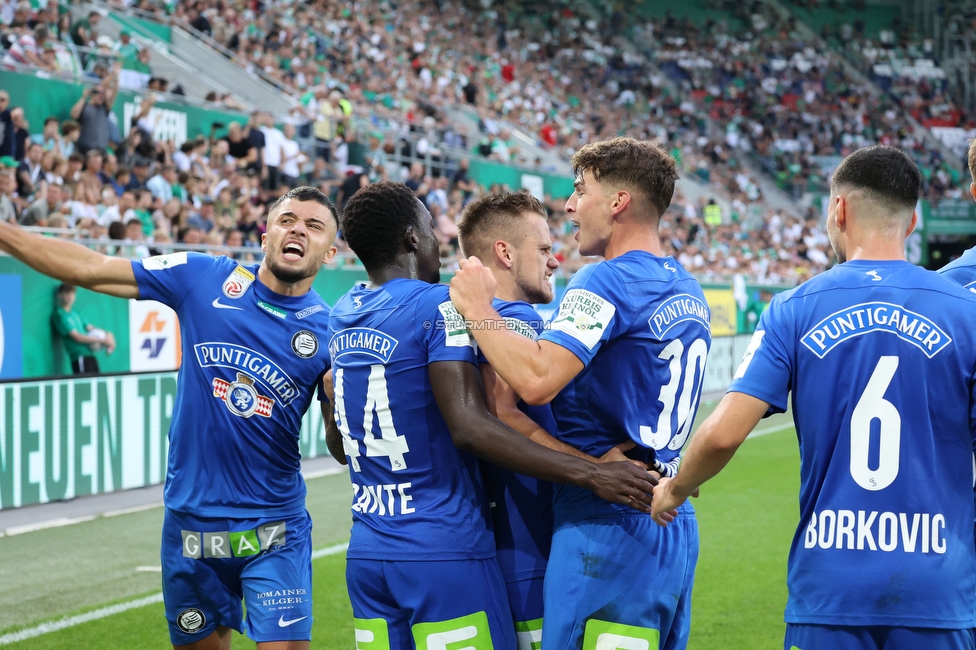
{"x":410,"y":420}
{"x":254,"y":352}
{"x":880,"y":357}
{"x":622,"y":362}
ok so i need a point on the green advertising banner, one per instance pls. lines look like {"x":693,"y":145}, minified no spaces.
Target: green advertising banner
{"x":67,"y":438}
{"x":41,"y":98}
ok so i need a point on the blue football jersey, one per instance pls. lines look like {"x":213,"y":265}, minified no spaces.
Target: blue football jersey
{"x":252,"y":361}
{"x":880,"y":357}
{"x":521,"y":506}
{"x":415,"y":495}
{"x":640,"y":325}
{"x":963,"y":270}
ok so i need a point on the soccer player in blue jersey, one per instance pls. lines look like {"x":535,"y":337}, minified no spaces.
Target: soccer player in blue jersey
{"x":963,"y":270}
{"x":509,"y":233}
{"x":880,"y":357}
{"x":411,"y":417}
{"x":254,"y":351}
{"x":623,"y":361}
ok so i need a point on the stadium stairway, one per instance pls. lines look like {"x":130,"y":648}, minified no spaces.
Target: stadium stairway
{"x":193,"y":61}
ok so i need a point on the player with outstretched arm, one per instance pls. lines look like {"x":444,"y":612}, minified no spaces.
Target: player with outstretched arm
{"x":254,"y":351}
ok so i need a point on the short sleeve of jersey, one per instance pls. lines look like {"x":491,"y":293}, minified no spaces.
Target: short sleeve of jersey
{"x":168,"y":278}
{"x":520,"y":318}
{"x":766,"y":367}
{"x":591,"y":312}
{"x":443,"y":328}
{"x":62,"y":323}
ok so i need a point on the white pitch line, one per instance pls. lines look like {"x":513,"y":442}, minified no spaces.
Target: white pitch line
{"x":51,"y":523}
{"x":133,"y":509}
{"x":331,"y":471}
{"x":768,"y":430}
{"x":71,"y":621}
{"x":94,"y":615}
{"x":149,"y":569}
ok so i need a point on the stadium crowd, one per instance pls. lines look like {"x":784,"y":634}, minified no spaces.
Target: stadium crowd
{"x":775,"y":98}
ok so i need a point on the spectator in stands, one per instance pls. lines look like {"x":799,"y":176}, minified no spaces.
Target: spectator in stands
{"x":203,"y":220}
{"x":6,"y":126}
{"x":8,"y":211}
{"x":91,"y":180}
{"x":43,"y":207}
{"x":254,"y":134}
{"x":416,"y":181}
{"x":29,"y":171}
{"x":92,"y":110}
{"x":26,"y":49}
{"x":110,"y":166}
{"x":462,"y":181}
{"x":240,"y":148}
{"x":135,"y":237}
{"x":15,"y":133}
{"x":125,"y":48}
{"x":161,"y":185}
{"x":83,"y":31}
{"x":272,"y":152}
{"x":292,"y":157}
{"x":48,"y":138}
{"x":140,"y":174}
{"x":70,"y":132}
{"x":199,"y":21}
{"x":80,"y":338}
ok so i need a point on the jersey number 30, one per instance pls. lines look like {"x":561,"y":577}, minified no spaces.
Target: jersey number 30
{"x":684,"y":371}
{"x":873,"y":406}
{"x":376,"y":408}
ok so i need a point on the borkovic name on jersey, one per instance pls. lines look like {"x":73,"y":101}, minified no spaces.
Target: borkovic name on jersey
{"x":252,"y":360}
{"x":415,"y":495}
{"x":880,"y":359}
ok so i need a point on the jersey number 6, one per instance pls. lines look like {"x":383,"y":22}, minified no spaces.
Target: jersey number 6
{"x":873,"y":406}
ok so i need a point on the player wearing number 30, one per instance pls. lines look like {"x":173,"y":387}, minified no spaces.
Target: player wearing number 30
{"x":623,"y":361}
{"x":410,"y":413}
{"x":880,"y":358}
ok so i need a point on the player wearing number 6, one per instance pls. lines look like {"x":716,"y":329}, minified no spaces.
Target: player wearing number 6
{"x":623,"y":360}
{"x":880,"y":358}
{"x":410,"y":418}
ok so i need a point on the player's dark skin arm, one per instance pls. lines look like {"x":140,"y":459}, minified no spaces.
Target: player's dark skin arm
{"x":333,"y":438}
{"x":457,"y":390}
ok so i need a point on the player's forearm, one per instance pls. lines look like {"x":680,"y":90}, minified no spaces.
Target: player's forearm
{"x":493,"y":441}
{"x":64,"y":260}
{"x":527,"y":427}
{"x":517,"y":359}
{"x":333,"y":438}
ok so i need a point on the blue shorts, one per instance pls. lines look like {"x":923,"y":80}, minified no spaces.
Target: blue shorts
{"x":618,"y":579}
{"x":211,"y":565}
{"x":428,"y":605}
{"x":843,"y":637}
{"x":525,"y":598}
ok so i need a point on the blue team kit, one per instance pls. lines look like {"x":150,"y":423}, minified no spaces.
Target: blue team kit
{"x":885,"y":537}
{"x":640,"y":325}
{"x":250,"y":373}
{"x":416,"y":497}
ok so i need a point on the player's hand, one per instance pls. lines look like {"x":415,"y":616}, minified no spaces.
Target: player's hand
{"x":665,"y":504}
{"x":619,"y":454}
{"x":624,"y":482}
{"x":472,"y":286}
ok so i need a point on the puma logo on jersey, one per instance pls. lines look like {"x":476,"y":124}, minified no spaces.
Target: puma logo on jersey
{"x":874,"y":276}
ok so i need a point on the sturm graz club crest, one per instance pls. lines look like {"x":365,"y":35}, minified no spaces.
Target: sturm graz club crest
{"x":304,"y":344}
{"x":191,"y":620}
{"x":241,"y":397}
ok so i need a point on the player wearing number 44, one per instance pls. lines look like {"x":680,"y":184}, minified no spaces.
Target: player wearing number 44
{"x":410,"y":417}
{"x":880,"y":356}
{"x":623,"y":361}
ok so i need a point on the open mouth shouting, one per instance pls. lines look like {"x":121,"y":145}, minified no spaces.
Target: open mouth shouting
{"x":293,"y":251}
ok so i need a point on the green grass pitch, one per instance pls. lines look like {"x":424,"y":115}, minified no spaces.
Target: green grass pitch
{"x":746,"y":516}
